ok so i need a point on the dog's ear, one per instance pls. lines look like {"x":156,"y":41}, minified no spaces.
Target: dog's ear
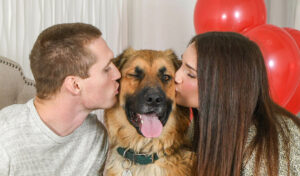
{"x":171,"y":54}
{"x":120,"y":60}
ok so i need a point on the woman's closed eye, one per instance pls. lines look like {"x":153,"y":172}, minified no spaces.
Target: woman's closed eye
{"x":190,"y":73}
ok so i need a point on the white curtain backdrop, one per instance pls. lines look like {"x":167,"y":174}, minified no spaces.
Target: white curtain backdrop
{"x":297,"y":14}
{"x":284,"y":13}
{"x":22,"y":20}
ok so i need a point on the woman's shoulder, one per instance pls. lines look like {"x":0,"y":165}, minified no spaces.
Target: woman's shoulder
{"x":293,"y":127}
{"x":294,"y":144}
{"x":292,"y":130}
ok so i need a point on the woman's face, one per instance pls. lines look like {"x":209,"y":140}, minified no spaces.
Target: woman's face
{"x":186,"y":79}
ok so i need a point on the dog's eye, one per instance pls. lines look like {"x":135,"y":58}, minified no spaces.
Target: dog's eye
{"x":166,"y":78}
{"x":136,"y":76}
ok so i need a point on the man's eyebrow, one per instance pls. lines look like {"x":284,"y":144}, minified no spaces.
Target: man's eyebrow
{"x":108,"y":63}
{"x":190,"y":67}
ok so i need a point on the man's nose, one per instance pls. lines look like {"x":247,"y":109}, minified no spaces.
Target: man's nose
{"x":117,"y":74}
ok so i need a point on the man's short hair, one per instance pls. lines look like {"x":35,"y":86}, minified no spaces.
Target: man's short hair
{"x":60,"y":51}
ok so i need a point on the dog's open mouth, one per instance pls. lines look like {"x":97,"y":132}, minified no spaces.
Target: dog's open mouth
{"x":148,"y":111}
{"x":150,"y":125}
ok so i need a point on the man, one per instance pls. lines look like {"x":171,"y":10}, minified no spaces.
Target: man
{"x":54,"y":133}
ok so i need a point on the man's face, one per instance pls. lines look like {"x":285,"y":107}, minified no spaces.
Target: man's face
{"x":99,"y":90}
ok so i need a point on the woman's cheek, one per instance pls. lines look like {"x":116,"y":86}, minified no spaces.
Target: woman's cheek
{"x":191,"y":93}
{"x":191,"y":86}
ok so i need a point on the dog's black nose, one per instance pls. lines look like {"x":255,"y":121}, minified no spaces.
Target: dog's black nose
{"x":154,"y":97}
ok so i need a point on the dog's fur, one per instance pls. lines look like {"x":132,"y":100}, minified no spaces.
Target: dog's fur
{"x":148,"y":73}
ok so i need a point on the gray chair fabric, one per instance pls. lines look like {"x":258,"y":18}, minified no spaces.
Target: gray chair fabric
{"x":15,"y":88}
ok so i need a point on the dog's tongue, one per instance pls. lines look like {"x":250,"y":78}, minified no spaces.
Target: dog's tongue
{"x":151,"y":126}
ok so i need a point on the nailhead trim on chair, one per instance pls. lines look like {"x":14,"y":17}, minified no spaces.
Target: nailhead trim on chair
{"x":17,"y":67}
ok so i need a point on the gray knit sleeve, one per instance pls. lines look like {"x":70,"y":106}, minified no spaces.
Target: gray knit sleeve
{"x":4,"y":162}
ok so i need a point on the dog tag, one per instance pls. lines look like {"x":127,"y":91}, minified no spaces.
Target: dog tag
{"x":126,"y":173}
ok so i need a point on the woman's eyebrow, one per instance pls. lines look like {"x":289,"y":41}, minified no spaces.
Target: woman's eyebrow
{"x":190,"y":67}
{"x":187,"y":64}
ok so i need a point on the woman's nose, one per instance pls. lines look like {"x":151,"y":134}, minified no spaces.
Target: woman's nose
{"x":178,"y":79}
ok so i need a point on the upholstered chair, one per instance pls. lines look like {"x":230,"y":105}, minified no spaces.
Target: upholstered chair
{"x":15,"y":88}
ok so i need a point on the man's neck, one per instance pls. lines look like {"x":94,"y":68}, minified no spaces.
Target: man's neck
{"x":61,"y":114}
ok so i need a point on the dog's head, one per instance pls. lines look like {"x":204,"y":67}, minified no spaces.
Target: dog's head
{"x":147,"y":89}
{"x":146,"y":98}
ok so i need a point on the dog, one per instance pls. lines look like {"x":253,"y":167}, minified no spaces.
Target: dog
{"x":146,"y":129}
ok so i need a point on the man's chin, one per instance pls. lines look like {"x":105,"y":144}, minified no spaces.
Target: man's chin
{"x":106,"y":105}
{"x":110,"y":103}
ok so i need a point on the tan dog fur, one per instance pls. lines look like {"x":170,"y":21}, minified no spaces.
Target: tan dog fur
{"x":174,"y":158}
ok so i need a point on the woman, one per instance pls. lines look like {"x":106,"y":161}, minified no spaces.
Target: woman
{"x":238,"y":129}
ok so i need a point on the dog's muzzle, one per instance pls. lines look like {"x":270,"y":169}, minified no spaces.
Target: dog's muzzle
{"x":148,"y":111}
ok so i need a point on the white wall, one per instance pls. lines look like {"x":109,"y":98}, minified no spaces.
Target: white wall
{"x":161,"y":24}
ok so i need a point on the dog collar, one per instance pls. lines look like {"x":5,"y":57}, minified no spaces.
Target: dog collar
{"x":142,"y":159}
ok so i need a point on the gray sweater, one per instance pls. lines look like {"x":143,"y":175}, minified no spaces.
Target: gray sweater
{"x":28,"y":147}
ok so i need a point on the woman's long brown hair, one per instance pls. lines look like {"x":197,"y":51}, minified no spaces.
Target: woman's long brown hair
{"x":233,"y":95}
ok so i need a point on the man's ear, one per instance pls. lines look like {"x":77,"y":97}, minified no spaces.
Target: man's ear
{"x":72,"y":84}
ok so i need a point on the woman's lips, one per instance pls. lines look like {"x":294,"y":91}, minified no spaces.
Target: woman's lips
{"x":177,"y":88}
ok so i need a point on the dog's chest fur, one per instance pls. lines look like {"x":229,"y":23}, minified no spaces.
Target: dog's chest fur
{"x":176,"y":164}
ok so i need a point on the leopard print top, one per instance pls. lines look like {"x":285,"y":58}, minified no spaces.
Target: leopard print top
{"x":248,"y":168}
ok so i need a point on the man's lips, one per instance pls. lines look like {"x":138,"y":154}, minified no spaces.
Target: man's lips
{"x":117,"y":88}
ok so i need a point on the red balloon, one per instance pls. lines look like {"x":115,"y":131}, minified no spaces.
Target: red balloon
{"x":294,"y":104}
{"x":295,"y":34}
{"x":228,"y":15}
{"x":282,"y":59}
